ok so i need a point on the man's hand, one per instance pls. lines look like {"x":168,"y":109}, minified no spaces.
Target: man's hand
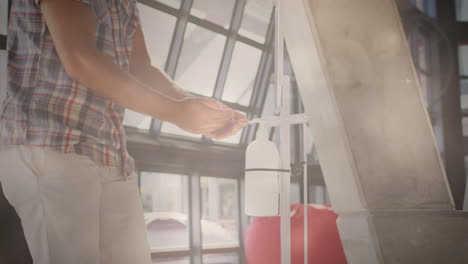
{"x":209,"y":117}
{"x":196,"y":115}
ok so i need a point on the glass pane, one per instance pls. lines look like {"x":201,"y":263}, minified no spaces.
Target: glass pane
{"x":172,"y":260}
{"x":165,"y":203}
{"x":465,"y":126}
{"x":464,"y":94}
{"x":200,"y":59}
{"x":216,"y":11}
{"x":134,"y":119}
{"x":463,"y":59}
{"x":158,"y":28}
{"x":173,"y":3}
{"x":256,"y":19}
{"x":462,"y":10}
{"x":426,"y":6}
{"x":221,"y":259}
{"x":242,"y":73}
{"x":463,"y":66}
{"x":175,"y":130}
{"x":219,"y":212}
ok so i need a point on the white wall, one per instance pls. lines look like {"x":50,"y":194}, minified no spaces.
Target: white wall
{"x":3,"y":74}
{"x":3,"y":54}
{"x":3,"y":16}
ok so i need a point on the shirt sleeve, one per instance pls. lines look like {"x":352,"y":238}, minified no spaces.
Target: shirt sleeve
{"x":136,"y":18}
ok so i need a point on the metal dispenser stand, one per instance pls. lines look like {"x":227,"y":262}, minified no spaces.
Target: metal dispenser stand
{"x":284,"y":121}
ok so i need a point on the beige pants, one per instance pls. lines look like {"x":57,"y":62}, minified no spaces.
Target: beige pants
{"x":72,"y":210}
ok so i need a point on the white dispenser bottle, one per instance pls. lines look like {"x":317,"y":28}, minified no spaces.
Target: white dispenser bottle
{"x":262,"y":188}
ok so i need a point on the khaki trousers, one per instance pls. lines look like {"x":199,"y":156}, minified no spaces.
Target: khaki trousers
{"x":72,"y":210}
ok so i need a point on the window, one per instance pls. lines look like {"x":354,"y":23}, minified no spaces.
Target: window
{"x":199,"y":60}
{"x":463,"y":66}
{"x":173,"y":260}
{"x":221,"y":259}
{"x":172,"y":3}
{"x":165,"y":203}
{"x":203,"y":52}
{"x":426,"y":6}
{"x":256,"y":19}
{"x":462,"y":10}
{"x":158,"y":28}
{"x":465,"y":126}
{"x":220,"y":212}
{"x":218,"y":12}
{"x":214,"y":49}
{"x":242,"y":72}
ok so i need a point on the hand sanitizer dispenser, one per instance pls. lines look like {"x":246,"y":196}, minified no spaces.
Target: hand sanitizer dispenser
{"x":262,"y":188}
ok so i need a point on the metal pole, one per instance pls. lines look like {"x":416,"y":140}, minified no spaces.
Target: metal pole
{"x":283,"y":87}
{"x":306,"y":199}
{"x":285,"y":180}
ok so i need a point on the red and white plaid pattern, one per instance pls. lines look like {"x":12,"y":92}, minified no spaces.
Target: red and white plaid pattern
{"x":45,"y":107}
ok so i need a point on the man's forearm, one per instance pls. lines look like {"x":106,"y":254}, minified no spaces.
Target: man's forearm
{"x":98,"y":72}
{"x":72,"y":26}
{"x":159,"y":82}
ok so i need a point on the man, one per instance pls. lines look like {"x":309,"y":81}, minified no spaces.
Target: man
{"x":73,"y":66}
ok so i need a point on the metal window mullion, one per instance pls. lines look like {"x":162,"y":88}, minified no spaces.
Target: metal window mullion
{"x":223,"y":31}
{"x":228,"y":51}
{"x":195,"y":234}
{"x":261,"y":82}
{"x":262,"y":89}
{"x":178,"y":38}
{"x":267,"y":54}
{"x":229,"y":48}
{"x":175,"y":50}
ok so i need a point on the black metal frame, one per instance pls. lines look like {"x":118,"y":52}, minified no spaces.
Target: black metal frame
{"x":232,"y":36}
{"x":454,"y":140}
{"x":184,"y":156}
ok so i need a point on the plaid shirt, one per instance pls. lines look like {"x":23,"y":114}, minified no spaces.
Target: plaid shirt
{"x":45,"y":107}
